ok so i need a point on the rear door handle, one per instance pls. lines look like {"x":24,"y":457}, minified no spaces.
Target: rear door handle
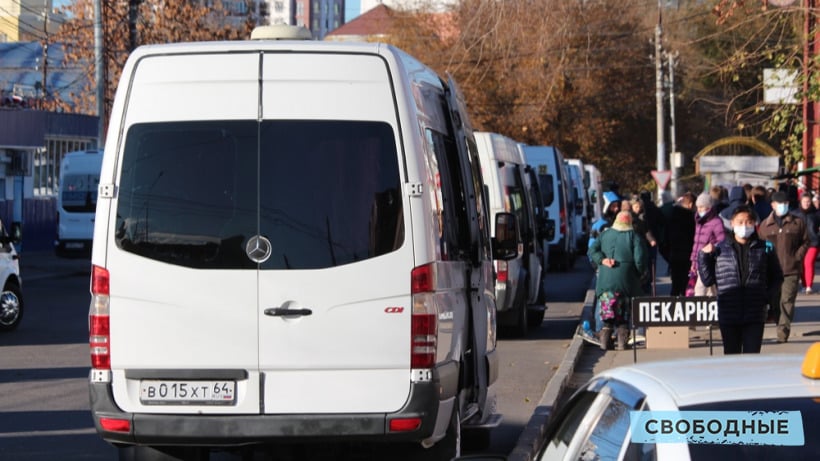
{"x":283,"y":312}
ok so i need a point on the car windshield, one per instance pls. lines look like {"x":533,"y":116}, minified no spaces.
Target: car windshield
{"x":809,"y":409}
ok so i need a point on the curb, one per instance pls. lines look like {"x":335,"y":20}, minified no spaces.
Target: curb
{"x":530,"y":439}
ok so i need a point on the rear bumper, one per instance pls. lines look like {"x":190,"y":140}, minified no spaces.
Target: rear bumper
{"x":233,"y":430}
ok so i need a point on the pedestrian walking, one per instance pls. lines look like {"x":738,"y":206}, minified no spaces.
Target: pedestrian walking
{"x":620,"y":254}
{"x":746,"y":271}
{"x":808,"y":212}
{"x":708,"y":229}
{"x":788,"y":233}
{"x":677,"y":242}
{"x":641,"y":225}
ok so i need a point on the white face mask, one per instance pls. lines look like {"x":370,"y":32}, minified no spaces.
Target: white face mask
{"x":702,"y":213}
{"x":781,"y":209}
{"x":743,"y":231}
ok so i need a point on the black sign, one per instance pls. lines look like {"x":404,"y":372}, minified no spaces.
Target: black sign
{"x":672,"y":311}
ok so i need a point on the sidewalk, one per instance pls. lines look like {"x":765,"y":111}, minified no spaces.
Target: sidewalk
{"x":584,"y":360}
{"x":44,"y":264}
{"x":805,"y":331}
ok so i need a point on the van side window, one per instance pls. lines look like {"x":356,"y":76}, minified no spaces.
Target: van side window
{"x":517,"y":206}
{"x":547,"y":195}
{"x":455,"y":236}
{"x":478,"y":186}
{"x":324,"y":193}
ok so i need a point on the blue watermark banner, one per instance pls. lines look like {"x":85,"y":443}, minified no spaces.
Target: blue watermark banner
{"x":718,"y":427}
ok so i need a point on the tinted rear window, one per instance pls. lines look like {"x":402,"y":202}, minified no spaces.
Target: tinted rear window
{"x":79,"y":192}
{"x":325,"y":193}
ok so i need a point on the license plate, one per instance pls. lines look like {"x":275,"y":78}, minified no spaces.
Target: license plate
{"x":74,"y":246}
{"x":187,"y":392}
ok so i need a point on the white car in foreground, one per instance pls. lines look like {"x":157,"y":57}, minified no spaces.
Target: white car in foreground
{"x":751,"y":407}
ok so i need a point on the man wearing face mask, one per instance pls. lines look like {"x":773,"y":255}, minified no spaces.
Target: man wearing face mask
{"x":745,"y":270}
{"x":789,"y":235}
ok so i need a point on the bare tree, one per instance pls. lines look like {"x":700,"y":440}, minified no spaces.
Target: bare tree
{"x":160,"y":21}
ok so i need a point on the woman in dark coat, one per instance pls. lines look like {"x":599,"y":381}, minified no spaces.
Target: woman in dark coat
{"x":620,"y":255}
{"x":745,"y":270}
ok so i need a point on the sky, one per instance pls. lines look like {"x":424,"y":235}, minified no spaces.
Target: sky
{"x":352,"y":8}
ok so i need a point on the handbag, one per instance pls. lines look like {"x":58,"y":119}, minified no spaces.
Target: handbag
{"x":690,"y":285}
{"x":612,"y":304}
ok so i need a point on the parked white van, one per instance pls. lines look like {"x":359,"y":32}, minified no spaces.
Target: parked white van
{"x":545,"y":229}
{"x":77,"y":202}
{"x":291,"y":244}
{"x":517,"y":280}
{"x":555,"y":183}
{"x":595,"y":192}
{"x":580,"y":208}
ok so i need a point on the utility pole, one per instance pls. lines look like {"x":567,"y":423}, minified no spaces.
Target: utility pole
{"x":674,"y":155}
{"x":811,"y":109}
{"x":133,"y":15}
{"x":99,"y":72}
{"x":44,"y":90}
{"x":661,"y":155}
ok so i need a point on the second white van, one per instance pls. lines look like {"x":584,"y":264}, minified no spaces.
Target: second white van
{"x":580,"y":207}
{"x":77,"y":202}
{"x":555,"y":184}
{"x":518,"y":280}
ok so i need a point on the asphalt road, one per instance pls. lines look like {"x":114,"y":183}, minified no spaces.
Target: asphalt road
{"x":44,"y":367}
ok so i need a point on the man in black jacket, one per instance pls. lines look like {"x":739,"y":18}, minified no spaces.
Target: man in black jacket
{"x":746,"y":270}
{"x":676,"y":244}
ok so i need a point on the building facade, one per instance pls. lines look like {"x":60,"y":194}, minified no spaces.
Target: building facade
{"x":32,"y":145}
{"x":27,"y":20}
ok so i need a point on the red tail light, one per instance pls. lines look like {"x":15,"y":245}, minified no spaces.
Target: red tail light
{"x":424,"y":321}
{"x":404,"y":424}
{"x":99,"y":336}
{"x":99,"y":281}
{"x":563,"y":216}
{"x":501,"y":271}
{"x":421,"y":279}
{"x":115,"y":425}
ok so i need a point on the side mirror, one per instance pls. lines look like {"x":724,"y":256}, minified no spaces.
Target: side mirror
{"x":505,"y":242}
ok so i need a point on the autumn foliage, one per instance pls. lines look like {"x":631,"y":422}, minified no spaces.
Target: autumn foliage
{"x":158,"y":21}
{"x":577,"y":75}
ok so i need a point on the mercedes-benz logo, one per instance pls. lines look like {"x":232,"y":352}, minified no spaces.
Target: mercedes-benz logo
{"x":258,"y":249}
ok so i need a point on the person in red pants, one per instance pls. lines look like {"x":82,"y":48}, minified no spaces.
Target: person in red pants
{"x":808,"y":212}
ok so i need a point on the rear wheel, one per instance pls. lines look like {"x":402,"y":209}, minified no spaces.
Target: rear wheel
{"x":534,"y":317}
{"x":521,"y":326}
{"x":476,"y":440}
{"x":11,"y":307}
{"x":542,"y":292}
